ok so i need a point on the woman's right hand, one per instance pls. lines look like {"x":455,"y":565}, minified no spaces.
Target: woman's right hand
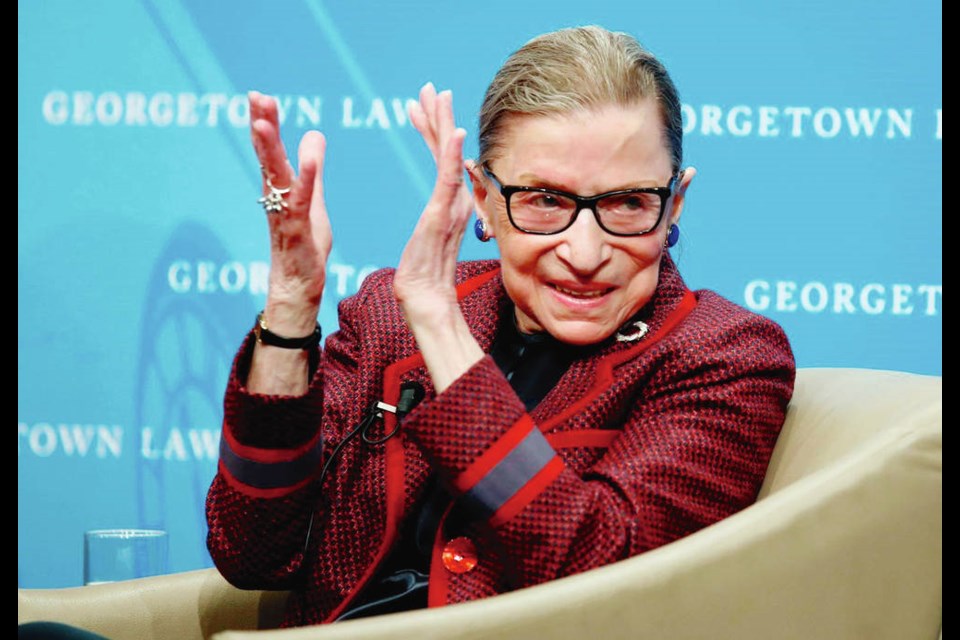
{"x":300,"y":234}
{"x":300,"y":242}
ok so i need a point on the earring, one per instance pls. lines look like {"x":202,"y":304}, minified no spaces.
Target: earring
{"x":672,"y":236}
{"x":480,"y":228}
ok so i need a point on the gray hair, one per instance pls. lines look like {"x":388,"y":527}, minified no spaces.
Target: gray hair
{"x":577,"y":69}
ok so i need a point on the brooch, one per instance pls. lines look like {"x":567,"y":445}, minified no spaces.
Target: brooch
{"x":638,"y":332}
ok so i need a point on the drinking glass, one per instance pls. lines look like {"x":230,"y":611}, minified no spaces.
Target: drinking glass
{"x":110,"y":555}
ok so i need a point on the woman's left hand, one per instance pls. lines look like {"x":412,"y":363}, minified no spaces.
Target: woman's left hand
{"x":424,"y":283}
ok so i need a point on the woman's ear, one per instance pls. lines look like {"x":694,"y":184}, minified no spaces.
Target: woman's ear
{"x":680,"y":193}
{"x":479,"y":186}
{"x":477,"y":181}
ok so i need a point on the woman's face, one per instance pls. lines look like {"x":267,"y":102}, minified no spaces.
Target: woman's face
{"x":582,"y":284}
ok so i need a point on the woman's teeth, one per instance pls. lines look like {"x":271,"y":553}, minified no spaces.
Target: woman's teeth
{"x":580,"y":294}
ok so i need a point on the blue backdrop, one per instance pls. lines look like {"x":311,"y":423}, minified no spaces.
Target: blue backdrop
{"x":815,"y":128}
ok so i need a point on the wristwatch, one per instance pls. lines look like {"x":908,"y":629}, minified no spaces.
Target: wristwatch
{"x":265,"y":336}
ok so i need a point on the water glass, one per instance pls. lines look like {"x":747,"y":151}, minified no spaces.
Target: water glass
{"x":110,"y":555}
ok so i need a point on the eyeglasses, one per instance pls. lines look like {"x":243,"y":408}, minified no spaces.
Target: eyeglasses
{"x":628,"y":212}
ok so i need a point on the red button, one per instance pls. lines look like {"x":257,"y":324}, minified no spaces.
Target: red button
{"x":459,"y":555}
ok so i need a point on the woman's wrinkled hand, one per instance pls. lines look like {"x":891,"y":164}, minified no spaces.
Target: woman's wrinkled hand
{"x":424,"y":283}
{"x":300,"y":234}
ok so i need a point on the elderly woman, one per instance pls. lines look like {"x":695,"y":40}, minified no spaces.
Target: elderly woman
{"x":478,"y":427}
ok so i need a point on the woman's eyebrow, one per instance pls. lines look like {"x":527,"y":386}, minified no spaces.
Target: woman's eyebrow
{"x":530,"y":179}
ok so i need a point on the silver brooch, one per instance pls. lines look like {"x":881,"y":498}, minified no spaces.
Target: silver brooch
{"x":640,"y":330}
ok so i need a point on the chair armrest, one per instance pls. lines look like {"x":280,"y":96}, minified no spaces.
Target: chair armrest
{"x":192,"y":605}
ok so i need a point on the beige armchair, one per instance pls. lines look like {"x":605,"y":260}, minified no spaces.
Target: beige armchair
{"x":845,"y":542}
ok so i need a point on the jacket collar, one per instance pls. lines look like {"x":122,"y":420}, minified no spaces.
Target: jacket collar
{"x":484,"y":305}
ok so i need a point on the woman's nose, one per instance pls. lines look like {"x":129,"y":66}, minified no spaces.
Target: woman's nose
{"x":584,"y":244}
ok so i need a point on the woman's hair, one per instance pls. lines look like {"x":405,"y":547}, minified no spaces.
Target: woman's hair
{"x":578,"y":69}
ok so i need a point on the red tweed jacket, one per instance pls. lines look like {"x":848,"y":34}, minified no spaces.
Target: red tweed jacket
{"x":638,"y":445}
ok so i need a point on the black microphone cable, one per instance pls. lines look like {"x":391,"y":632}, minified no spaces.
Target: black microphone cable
{"x":411,"y":393}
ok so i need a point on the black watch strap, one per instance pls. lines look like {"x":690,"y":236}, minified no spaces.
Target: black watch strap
{"x":265,"y":336}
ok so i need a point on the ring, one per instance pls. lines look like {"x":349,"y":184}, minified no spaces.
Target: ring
{"x":273,"y":202}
